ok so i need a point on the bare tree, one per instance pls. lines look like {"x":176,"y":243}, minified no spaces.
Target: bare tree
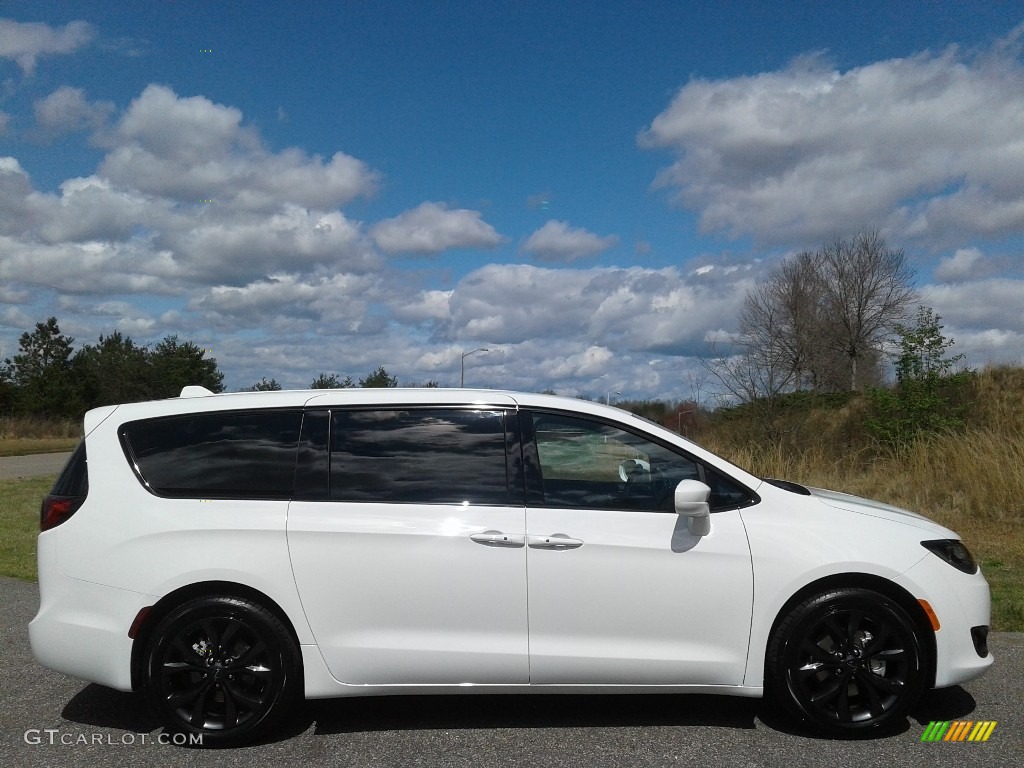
{"x":754,"y":374}
{"x":868,"y":292}
{"x":822,"y":316}
{"x":781,"y":320}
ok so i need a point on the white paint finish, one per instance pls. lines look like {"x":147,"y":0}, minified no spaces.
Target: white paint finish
{"x":81,"y":628}
{"x":400,"y":593}
{"x":642,"y":601}
{"x":960,"y":601}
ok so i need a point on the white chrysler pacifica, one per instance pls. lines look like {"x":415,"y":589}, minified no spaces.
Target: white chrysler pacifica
{"x":231,"y":554}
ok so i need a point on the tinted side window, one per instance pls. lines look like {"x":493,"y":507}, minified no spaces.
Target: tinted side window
{"x":591,"y":465}
{"x":429,"y":456}
{"x":232,"y":454}
{"x":74,"y":478}
{"x":726,"y":493}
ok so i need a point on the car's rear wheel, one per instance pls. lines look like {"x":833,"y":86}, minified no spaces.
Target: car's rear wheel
{"x":848,"y":661}
{"x":223,"y":668}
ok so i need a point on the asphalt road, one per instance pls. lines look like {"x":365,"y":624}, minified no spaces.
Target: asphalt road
{"x":14,"y":467}
{"x":94,"y":726}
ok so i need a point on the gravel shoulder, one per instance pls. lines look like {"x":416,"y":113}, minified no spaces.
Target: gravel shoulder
{"x":35,"y":465}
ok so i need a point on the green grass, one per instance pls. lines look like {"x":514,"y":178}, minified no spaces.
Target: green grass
{"x":19,"y":521}
{"x":24,"y":446}
{"x":1007,"y":583}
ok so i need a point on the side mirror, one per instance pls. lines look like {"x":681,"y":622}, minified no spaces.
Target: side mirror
{"x":692,"y":502}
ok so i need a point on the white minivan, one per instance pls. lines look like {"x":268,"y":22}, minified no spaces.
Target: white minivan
{"x":231,"y":554}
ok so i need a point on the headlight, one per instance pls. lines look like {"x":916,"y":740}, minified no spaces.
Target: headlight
{"x":953,"y":552}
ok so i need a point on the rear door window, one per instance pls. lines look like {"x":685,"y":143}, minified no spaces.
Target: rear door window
{"x":426,"y":456}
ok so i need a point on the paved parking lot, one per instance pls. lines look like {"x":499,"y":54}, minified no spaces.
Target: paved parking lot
{"x":47,"y":719}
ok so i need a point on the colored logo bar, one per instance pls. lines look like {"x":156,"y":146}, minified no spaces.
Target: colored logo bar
{"x":958,"y":730}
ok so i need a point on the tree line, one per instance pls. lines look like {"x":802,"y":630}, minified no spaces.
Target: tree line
{"x":379,"y":378}
{"x":49,"y":378}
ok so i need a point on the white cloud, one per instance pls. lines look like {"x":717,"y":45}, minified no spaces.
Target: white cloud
{"x":13,"y":317}
{"x":186,"y":195}
{"x":993,"y":303}
{"x":432,"y":228}
{"x":340,"y":299}
{"x":621,"y":309}
{"x":190,"y":149}
{"x":590,"y":363}
{"x":965,"y":264}
{"x":557,"y":242}
{"x":24,"y":43}
{"x":432,"y":305}
{"x":66,"y":110}
{"x":231,"y":247}
{"x":807,"y":152}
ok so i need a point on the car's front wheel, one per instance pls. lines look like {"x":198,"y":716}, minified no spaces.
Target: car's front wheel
{"x":223,"y":668}
{"x":848,"y":661}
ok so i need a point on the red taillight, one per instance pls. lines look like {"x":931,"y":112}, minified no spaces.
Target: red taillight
{"x":57,"y":510}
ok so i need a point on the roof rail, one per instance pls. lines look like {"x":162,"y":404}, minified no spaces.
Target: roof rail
{"x":195,"y":391}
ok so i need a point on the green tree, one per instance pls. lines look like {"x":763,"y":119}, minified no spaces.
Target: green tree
{"x":113,"y":371}
{"x":325,"y":381}
{"x":41,"y":372}
{"x":263,"y":385}
{"x":8,"y":393}
{"x":930,"y":393}
{"x":173,"y":366}
{"x":379,"y":378}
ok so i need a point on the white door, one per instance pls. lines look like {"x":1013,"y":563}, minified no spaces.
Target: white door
{"x":414,"y":572}
{"x":619,"y":591}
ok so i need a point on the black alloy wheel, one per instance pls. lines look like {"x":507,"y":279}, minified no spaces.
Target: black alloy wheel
{"x":850,"y":662}
{"x":223,"y":668}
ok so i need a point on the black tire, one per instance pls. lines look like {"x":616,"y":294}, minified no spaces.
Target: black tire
{"x":224,"y":668}
{"x":849,"y":662}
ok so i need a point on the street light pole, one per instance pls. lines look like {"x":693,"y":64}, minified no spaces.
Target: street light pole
{"x":608,"y":399}
{"x":462,"y":378}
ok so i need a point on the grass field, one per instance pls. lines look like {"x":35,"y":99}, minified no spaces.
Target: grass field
{"x":25,"y":446}
{"x":19,"y":521}
{"x":24,"y":435}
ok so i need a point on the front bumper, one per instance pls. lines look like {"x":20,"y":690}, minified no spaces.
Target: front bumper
{"x":962,"y":604}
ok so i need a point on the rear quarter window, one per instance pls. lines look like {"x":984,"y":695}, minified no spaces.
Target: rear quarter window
{"x":245,"y":455}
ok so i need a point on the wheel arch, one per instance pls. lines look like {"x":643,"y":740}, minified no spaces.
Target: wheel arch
{"x":182,"y":595}
{"x":873,"y":583}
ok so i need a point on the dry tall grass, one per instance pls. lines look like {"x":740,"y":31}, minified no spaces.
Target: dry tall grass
{"x":21,"y":435}
{"x":36,"y":428}
{"x":979,"y":474}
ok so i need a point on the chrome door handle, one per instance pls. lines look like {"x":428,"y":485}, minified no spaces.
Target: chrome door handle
{"x":557,"y":541}
{"x":498,"y":539}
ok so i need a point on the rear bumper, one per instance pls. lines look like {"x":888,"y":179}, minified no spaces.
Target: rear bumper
{"x":81,"y":628}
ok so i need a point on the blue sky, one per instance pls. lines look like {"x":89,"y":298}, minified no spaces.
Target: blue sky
{"x":587,"y":190}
